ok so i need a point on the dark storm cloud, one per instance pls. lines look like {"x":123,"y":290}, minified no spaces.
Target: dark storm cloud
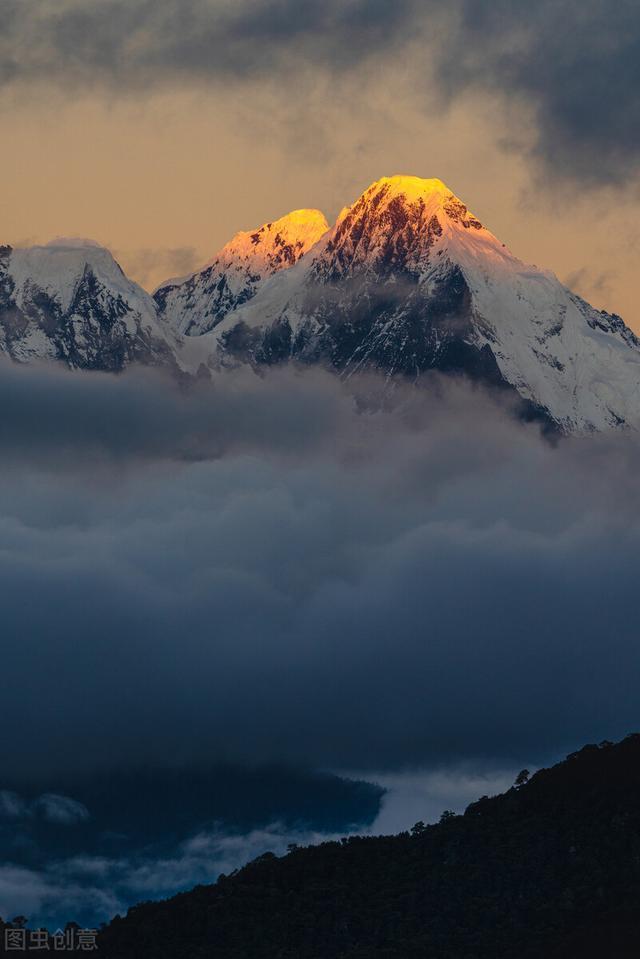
{"x":574,"y":64}
{"x":134,"y":43}
{"x":306,"y":584}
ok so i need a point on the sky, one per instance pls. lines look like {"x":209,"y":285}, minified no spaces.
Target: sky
{"x":248,"y":587}
{"x":160,"y":129}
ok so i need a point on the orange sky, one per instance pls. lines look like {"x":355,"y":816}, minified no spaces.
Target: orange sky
{"x":165,"y":180}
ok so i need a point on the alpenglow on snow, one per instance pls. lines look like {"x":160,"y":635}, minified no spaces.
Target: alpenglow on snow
{"x":406,"y":281}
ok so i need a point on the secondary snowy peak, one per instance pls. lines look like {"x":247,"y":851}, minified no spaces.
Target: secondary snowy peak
{"x":71,"y":301}
{"x":58,"y":267}
{"x":198,"y":303}
{"x":408,"y":280}
{"x":276,"y":245}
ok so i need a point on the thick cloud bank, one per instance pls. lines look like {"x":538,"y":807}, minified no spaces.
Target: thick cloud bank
{"x":256,"y":571}
{"x":279,"y":570}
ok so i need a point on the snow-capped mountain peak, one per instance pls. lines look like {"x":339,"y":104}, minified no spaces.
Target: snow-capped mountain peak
{"x":391,"y":193}
{"x":431,"y":192}
{"x":409,"y":280}
{"x":394,"y":225}
{"x":275,"y":245}
{"x":71,"y":301}
{"x":196,"y":304}
{"x":57,"y":267}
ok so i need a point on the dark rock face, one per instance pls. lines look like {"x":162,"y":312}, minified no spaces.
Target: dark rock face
{"x":393,"y":240}
{"x":211,"y":287}
{"x":389,"y":325}
{"x":95,"y":333}
{"x":358,"y":323}
{"x":14,"y":323}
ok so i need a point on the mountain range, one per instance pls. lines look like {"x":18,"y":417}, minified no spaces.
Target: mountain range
{"x":406,"y":281}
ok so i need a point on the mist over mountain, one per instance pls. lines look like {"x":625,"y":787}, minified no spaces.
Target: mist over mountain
{"x":87,"y":845}
{"x":549,"y":868}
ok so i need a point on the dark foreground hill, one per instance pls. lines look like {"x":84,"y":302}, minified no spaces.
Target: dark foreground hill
{"x":550,"y":868}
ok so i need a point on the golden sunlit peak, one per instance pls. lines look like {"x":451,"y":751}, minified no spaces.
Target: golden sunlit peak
{"x":432,"y":195}
{"x":432,"y":192}
{"x":305,"y":216}
{"x":411,"y":186}
{"x":305,"y":226}
{"x":275,"y":244}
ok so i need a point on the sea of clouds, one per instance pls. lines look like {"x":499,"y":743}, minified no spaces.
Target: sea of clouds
{"x":286,"y":569}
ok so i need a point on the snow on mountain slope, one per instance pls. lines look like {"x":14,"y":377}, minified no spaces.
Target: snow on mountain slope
{"x":71,"y":301}
{"x":409,"y":280}
{"x":196,"y":304}
{"x":406,"y":281}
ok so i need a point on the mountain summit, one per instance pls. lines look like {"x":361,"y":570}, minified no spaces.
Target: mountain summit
{"x":393,"y":227}
{"x":197,"y":303}
{"x":408,"y":280}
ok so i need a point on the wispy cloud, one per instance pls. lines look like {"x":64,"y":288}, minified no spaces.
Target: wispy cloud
{"x":61,"y":810}
{"x":149,"y":266}
{"x":92,"y":889}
